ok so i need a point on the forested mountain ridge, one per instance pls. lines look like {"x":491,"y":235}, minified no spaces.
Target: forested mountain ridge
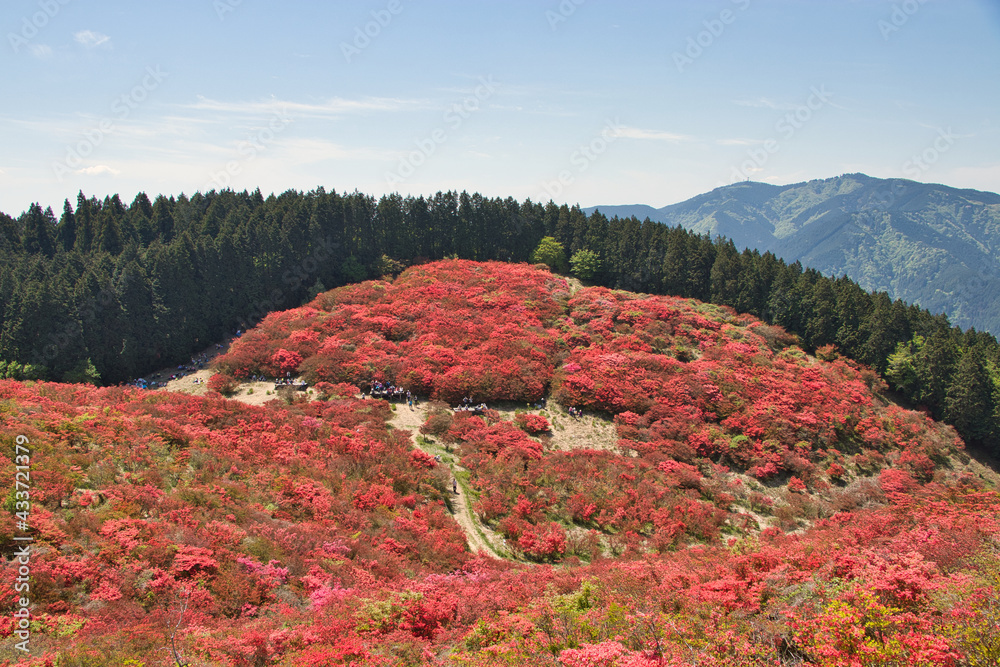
{"x":108,"y":292}
{"x":932,"y":245}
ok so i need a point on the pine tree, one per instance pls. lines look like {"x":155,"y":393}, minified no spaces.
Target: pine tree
{"x":725,"y":276}
{"x":884,"y":326}
{"x":969,"y":404}
{"x":39,"y":228}
{"x":675,"y":262}
{"x":853,"y":306}
{"x":84,"y":223}
{"x":10,"y":236}
{"x":701,"y":258}
{"x":162,"y":219}
{"x":939,"y":358}
{"x":109,"y":234}
{"x":66,"y":230}
{"x":822,"y":324}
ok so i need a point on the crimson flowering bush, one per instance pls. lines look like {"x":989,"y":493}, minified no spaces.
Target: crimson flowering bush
{"x":224,"y":384}
{"x":447,"y":330}
{"x":490,"y":437}
{"x":285,"y":362}
{"x":532,"y":424}
{"x":326,"y":390}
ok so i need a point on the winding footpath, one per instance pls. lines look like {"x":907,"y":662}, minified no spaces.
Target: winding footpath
{"x":480,"y":538}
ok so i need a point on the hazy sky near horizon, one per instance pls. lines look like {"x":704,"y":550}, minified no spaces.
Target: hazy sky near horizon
{"x":580,"y":101}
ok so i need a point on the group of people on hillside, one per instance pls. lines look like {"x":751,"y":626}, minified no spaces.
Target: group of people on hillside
{"x":197,"y":363}
{"x":289,"y":381}
{"x":469,"y":405}
{"x":390,"y":392}
{"x":575,"y":413}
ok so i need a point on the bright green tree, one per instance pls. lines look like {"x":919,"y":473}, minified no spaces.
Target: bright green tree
{"x":551,"y":253}
{"x":585,"y":264}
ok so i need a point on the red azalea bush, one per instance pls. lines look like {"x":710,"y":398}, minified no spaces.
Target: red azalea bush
{"x":327,"y":390}
{"x":445,"y":330}
{"x":285,"y":362}
{"x":224,"y":384}
{"x":532,"y":424}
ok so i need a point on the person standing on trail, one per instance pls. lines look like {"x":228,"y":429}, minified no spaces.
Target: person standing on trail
{"x":454,"y":486}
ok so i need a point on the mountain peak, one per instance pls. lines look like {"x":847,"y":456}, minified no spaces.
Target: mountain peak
{"x":921,"y":242}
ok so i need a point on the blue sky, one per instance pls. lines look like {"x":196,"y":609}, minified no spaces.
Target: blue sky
{"x":581,"y":101}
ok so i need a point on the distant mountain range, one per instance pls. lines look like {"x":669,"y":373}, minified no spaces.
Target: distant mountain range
{"x":928,"y":244}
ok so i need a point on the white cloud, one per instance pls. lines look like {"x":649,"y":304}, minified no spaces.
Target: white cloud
{"x":656,"y":135}
{"x":739,"y":142}
{"x":98,"y":170}
{"x":334,"y":107}
{"x":40,"y":51}
{"x":89,"y":39}
{"x":767,"y":103}
{"x":788,"y":177}
{"x":70,"y":127}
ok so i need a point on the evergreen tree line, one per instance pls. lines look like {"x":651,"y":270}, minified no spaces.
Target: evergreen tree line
{"x":108,"y":292}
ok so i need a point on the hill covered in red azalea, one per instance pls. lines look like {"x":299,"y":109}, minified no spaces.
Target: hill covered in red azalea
{"x":761,"y":506}
{"x":725,"y":426}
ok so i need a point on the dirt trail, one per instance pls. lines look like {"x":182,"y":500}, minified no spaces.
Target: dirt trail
{"x":479,"y":537}
{"x":567,"y":433}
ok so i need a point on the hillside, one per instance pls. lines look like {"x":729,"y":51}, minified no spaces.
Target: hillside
{"x":760,"y":504}
{"x":703,"y":399}
{"x":109,"y":293}
{"x":926,"y":244}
